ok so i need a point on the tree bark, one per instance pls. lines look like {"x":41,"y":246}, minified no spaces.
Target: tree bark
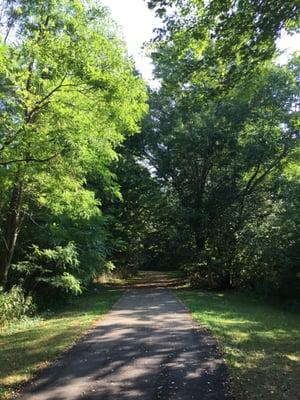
{"x":11,"y":230}
{"x":200,"y":238}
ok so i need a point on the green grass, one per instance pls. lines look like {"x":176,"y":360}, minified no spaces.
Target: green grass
{"x":260,"y":342}
{"x":28,"y":345}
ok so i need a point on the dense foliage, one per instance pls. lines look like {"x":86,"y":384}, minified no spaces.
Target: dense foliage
{"x":15,"y":305}
{"x":211,"y":184}
{"x":215,"y":183}
{"x":69,"y":97}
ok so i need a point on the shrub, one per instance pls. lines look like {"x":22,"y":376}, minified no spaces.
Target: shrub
{"x":54,"y":270}
{"x":14,"y":304}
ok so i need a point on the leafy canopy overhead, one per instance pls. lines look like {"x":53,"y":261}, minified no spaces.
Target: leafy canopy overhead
{"x":220,"y":39}
{"x":69,"y":97}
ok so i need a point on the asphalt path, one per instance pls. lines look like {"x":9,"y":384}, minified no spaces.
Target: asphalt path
{"x":148,"y":347}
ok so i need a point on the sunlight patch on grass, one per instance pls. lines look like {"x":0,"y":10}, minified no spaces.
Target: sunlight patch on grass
{"x":293,"y":357}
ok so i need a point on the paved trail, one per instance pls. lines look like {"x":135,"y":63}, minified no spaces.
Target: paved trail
{"x":146,"y":348}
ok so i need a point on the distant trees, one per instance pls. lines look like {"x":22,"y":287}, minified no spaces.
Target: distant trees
{"x":146,"y":229}
{"x":223,"y":132}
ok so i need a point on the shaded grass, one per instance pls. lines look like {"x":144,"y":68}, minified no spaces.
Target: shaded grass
{"x":261,"y":343}
{"x":28,"y":345}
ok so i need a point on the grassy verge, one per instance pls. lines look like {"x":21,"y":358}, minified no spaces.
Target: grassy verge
{"x":29,"y":345}
{"x":261,"y":343}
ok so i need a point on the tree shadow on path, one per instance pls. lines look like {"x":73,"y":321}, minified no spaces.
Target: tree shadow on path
{"x":147,"y":348}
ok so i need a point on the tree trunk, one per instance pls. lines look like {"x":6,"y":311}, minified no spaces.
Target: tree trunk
{"x":11,"y":230}
{"x":200,"y":238}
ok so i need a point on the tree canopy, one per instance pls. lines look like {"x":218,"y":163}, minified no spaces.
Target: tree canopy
{"x":69,"y":97}
{"x":100,"y":173}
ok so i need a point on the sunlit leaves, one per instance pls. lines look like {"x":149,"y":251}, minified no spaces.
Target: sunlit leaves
{"x":74,"y":95}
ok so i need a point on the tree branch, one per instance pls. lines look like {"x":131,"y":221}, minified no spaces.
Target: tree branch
{"x":29,"y":159}
{"x":37,"y":107}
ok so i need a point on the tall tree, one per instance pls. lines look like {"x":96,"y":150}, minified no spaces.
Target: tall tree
{"x":69,"y":96}
{"x":216,"y":154}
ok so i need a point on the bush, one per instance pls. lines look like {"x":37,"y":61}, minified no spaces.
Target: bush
{"x":14,"y":304}
{"x":207,"y":275}
{"x":52,"y":271}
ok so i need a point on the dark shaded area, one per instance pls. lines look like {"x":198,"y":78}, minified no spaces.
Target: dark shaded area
{"x":146,"y":348}
{"x":155,"y":279}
